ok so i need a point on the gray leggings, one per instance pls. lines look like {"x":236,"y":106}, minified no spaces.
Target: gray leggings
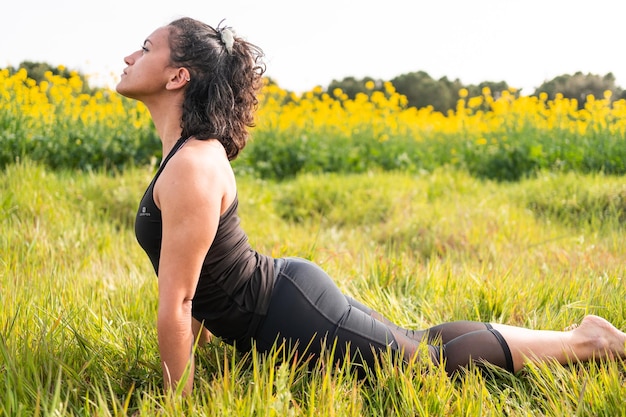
{"x":307,"y":311}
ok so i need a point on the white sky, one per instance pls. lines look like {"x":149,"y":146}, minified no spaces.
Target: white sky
{"x":309,"y":43}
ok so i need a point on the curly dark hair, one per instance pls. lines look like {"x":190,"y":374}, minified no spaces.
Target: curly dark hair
{"x":221,"y":97}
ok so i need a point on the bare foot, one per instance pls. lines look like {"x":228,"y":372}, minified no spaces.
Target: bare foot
{"x":604,"y":339}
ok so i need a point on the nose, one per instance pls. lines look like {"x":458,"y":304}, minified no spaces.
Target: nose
{"x":130,"y":59}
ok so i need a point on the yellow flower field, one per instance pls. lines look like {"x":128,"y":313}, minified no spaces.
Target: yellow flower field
{"x":61,"y":122}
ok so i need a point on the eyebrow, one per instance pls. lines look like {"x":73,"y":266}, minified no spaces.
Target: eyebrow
{"x":146,"y":41}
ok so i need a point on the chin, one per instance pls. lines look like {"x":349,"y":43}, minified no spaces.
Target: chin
{"x":119,"y":87}
{"x":123,"y":91}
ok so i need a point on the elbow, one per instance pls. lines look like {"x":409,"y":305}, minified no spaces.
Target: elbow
{"x":174,"y":313}
{"x":175,"y":305}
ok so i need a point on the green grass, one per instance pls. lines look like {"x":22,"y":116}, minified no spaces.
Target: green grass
{"x":78,"y":296}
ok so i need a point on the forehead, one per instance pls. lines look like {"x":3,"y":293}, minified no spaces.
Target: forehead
{"x":159,"y":37}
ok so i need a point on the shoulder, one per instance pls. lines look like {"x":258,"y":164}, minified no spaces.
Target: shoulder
{"x":204,"y":157}
{"x":199,"y":170}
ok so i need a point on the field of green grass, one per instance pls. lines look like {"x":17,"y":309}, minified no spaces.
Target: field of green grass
{"x":78,"y":296}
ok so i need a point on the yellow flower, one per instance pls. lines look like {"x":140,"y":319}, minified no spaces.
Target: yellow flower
{"x":475,"y":102}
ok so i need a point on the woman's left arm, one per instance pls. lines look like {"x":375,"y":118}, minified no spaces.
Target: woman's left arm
{"x":190,"y":208}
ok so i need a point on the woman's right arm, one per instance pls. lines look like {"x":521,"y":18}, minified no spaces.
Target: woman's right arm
{"x":200,"y":333}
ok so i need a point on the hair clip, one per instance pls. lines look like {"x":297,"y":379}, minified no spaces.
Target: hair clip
{"x":227,"y":36}
{"x":228,"y":39}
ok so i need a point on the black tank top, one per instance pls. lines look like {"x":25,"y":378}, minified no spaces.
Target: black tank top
{"x":235,"y":282}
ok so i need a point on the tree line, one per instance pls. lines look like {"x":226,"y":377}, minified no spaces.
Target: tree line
{"x":422,"y":90}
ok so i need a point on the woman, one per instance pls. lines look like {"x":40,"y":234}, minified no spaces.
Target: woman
{"x":200,"y":86}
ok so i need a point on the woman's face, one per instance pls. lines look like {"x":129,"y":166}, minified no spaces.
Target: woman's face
{"x":148,"y":68}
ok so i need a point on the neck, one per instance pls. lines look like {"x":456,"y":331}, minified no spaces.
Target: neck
{"x":167,"y":117}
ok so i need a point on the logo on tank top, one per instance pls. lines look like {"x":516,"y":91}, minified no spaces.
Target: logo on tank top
{"x":144,"y":212}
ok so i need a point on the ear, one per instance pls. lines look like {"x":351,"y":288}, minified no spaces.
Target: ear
{"x":178,"y":79}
